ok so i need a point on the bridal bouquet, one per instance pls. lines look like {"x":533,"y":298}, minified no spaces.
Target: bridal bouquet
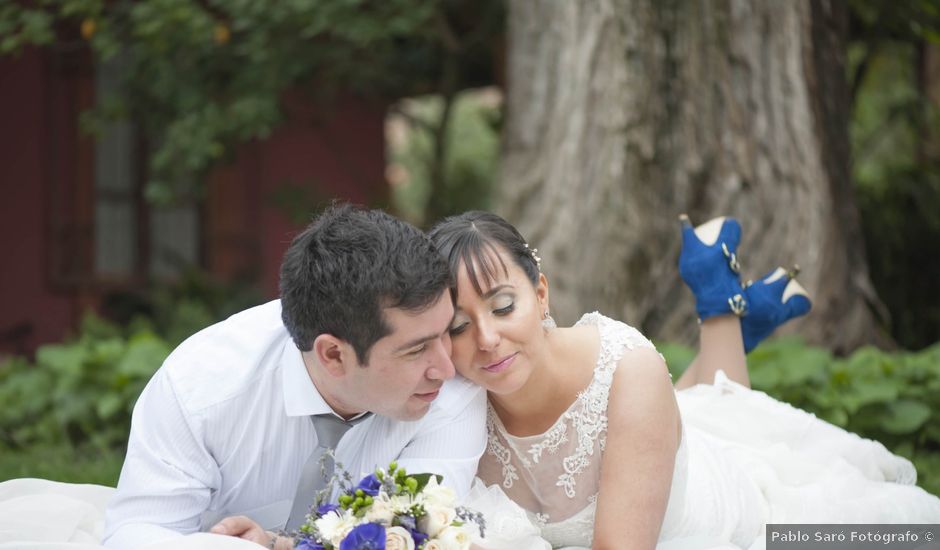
{"x":392,"y":511}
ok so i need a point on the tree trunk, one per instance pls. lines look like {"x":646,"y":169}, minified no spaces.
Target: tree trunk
{"x":623,"y":114}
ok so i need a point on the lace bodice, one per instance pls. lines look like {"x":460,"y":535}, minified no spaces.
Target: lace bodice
{"x":555,"y":476}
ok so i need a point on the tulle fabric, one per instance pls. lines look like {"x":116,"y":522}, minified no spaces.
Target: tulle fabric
{"x":38,"y":514}
{"x":805,"y":470}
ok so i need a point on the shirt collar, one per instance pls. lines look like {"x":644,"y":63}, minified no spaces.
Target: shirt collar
{"x":301,"y":397}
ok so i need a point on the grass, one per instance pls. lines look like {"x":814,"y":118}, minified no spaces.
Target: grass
{"x":62,"y":463}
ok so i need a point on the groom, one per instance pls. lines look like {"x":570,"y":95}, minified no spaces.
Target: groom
{"x":227,"y":425}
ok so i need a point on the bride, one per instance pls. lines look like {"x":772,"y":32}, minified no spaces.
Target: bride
{"x":588,"y":435}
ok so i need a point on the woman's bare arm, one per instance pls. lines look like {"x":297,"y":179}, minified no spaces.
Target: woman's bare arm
{"x":642,"y":438}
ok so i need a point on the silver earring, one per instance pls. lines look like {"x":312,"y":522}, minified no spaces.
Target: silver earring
{"x":547,"y":322}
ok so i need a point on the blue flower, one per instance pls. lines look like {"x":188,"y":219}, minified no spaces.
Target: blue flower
{"x":368,"y":536}
{"x":309,"y":544}
{"x":325,"y":509}
{"x":418,"y":537}
{"x":370,"y":485}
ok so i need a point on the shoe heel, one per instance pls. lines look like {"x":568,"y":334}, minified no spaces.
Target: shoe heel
{"x":772,"y":301}
{"x":708,"y":233}
{"x":796,"y":299}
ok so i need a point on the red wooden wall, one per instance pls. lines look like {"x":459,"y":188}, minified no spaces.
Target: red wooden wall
{"x":333,"y":150}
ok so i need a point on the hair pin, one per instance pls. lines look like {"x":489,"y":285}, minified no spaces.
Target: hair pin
{"x":534,"y":252}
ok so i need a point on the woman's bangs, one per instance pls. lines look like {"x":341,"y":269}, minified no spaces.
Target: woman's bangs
{"x":483,"y":263}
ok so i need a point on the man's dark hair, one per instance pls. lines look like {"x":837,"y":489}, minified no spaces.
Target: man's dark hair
{"x":347,"y":266}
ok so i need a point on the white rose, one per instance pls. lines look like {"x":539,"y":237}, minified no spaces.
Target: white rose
{"x":439,"y":495}
{"x":454,"y":538}
{"x":381,"y":511}
{"x":336,"y":525}
{"x":398,"y":538}
{"x":436,"y":519}
{"x":432,"y":545}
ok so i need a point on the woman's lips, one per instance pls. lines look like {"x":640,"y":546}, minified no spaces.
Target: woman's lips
{"x":501,"y":365}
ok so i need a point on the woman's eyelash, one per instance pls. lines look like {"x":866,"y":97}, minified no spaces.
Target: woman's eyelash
{"x":454,"y":331}
{"x":505,"y":310}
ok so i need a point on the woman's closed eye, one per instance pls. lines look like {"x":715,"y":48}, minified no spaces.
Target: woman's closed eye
{"x":505,"y":310}
{"x":459,"y":324}
{"x":503,"y":304}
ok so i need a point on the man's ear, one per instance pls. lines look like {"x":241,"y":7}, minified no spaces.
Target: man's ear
{"x":335,"y":355}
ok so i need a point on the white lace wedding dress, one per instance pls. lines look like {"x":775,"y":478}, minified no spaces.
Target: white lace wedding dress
{"x":744,"y":460}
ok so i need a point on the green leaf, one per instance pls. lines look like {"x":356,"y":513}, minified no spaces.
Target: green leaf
{"x":423,"y":479}
{"x":867,"y":392}
{"x":145,"y":353}
{"x":62,"y":358}
{"x":108,"y":405}
{"x":905,"y":416}
{"x":836,"y":416}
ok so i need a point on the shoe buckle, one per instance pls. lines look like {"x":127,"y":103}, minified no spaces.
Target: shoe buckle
{"x":732,"y":258}
{"x":738,"y":305}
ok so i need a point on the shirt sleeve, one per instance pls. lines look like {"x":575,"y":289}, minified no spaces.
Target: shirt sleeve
{"x":168,"y":474}
{"x":452,"y":438}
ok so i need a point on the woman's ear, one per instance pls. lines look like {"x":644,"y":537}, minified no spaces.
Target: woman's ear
{"x":333,"y":354}
{"x":541,"y":292}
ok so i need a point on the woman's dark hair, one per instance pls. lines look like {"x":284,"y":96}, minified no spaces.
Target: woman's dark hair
{"x":347,"y":266}
{"x":473,"y":239}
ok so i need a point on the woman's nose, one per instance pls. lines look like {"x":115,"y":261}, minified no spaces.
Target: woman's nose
{"x":487,"y":337}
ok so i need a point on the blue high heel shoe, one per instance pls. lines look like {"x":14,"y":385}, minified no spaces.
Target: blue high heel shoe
{"x":708,"y":264}
{"x":772,"y":301}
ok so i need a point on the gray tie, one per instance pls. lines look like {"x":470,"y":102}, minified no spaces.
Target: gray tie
{"x":330,"y":429}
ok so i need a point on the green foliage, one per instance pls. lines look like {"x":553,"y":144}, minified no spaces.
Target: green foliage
{"x":895,"y":136}
{"x":470,"y":163}
{"x":194,"y":302}
{"x":893,"y":398}
{"x":678,"y":357}
{"x":79,"y":392}
{"x":63,"y":463}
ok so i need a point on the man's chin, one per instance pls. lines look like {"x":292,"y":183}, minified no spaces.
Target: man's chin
{"x":415,"y":410}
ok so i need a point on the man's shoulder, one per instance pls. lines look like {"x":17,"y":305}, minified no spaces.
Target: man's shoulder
{"x":227,"y":358}
{"x":456,"y":395}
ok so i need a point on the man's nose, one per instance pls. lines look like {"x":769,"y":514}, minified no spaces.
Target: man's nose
{"x":442,"y":368}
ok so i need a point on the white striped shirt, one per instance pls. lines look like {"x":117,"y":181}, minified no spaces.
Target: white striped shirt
{"x":222,"y":429}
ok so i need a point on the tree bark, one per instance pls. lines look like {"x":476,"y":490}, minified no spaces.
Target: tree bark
{"x":623,"y":114}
